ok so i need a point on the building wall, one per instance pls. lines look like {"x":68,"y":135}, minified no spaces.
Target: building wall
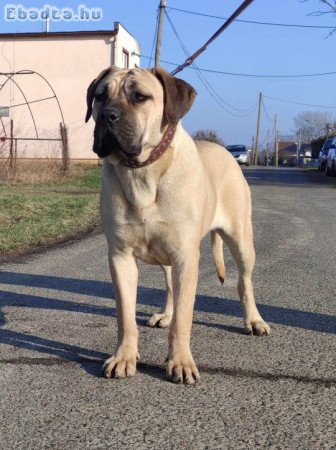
{"x":125,"y":41}
{"x":70,"y":64}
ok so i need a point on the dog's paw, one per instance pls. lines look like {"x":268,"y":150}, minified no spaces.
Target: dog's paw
{"x":257,"y":327}
{"x":160,"y":320}
{"x":182,"y":370}
{"x":121,"y":365}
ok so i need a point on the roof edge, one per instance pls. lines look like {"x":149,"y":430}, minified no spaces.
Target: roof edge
{"x":52,"y":34}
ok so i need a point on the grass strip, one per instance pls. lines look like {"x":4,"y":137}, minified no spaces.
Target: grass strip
{"x":35,"y":214}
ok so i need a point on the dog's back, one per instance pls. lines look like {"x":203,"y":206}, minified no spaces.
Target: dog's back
{"x":224,"y":171}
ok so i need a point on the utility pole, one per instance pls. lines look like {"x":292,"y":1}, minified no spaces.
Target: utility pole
{"x":255,"y":159}
{"x":299,"y":146}
{"x":159,"y":33}
{"x":252,"y":152}
{"x":276,"y":143}
{"x":268,"y":147}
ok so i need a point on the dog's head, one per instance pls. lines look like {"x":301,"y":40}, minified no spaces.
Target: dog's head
{"x":132,"y":107}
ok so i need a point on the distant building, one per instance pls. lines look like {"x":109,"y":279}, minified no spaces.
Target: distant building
{"x":69,"y":61}
{"x":288,"y":152}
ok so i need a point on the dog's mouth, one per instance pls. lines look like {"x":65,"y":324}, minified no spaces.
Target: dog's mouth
{"x":107,"y":142}
{"x":130,"y":153}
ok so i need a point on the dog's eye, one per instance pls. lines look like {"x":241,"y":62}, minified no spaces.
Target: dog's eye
{"x":139,"y":98}
{"x":99,"y":97}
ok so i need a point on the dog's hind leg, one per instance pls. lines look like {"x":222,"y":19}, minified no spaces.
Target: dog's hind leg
{"x":163,"y":319}
{"x":242,"y":249}
{"x":218,"y":255}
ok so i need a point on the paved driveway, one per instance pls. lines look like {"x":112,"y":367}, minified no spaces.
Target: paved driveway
{"x":58,"y":323}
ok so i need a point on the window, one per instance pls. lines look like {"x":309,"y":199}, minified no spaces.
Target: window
{"x":125,"y":59}
{"x":236,"y":148}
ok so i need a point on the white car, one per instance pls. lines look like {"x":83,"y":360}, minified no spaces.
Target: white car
{"x":240,"y":153}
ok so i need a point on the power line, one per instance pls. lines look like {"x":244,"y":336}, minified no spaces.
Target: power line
{"x":265,"y":138}
{"x":251,"y":75}
{"x":299,"y":103}
{"x":208,"y":87}
{"x":287,"y":25}
{"x":254,"y":75}
{"x":154,"y":38}
{"x":219,"y":100}
{"x":241,"y":110}
{"x":265,"y":110}
{"x":211,"y":91}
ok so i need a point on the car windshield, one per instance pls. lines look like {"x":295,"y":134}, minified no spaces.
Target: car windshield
{"x":326,"y":145}
{"x":236,"y":148}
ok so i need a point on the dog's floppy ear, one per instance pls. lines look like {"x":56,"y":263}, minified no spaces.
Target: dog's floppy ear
{"x":178,"y":96}
{"x":92,"y":89}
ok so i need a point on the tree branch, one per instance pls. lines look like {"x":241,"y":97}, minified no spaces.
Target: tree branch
{"x":329,"y":8}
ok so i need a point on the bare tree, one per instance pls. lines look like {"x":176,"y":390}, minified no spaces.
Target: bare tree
{"x":327,"y":7}
{"x":208,"y":135}
{"x":312,"y":124}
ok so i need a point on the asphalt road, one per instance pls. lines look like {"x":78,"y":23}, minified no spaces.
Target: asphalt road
{"x":58,"y":323}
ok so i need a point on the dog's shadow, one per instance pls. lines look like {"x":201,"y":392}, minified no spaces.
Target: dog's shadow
{"x":91,"y":360}
{"x":60,"y":353}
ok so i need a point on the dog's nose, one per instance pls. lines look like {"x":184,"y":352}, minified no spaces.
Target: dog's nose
{"x":110,"y":115}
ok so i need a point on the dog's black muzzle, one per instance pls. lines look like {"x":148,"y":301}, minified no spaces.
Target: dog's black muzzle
{"x":110,"y":135}
{"x":109,"y":116}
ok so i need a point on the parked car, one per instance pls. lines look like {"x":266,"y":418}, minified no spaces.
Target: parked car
{"x":323,"y":155}
{"x":240,"y":153}
{"x":331,"y":159}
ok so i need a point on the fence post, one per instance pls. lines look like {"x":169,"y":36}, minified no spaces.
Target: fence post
{"x":15,"y":155}
{"x":11,"y":147}
{"x":65,"y":150}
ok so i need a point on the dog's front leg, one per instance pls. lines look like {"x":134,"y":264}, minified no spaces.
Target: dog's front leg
{"x":180,"y":364}
{"x":124,"y":274}
{"x":163,"y":319}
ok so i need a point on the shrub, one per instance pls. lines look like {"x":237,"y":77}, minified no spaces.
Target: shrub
{"x":208,"y":135}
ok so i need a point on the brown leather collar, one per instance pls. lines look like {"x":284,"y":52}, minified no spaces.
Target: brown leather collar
{"x":156,"y":153}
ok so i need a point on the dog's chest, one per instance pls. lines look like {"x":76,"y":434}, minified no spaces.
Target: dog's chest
{"x":150,"y":218}
{"x":149,"y":234}
{"x":145,"y":229}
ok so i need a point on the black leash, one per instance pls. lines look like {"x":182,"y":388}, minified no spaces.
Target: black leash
{"x":233,"y":17}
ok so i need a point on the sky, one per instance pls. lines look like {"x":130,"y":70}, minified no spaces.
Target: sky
{"x":242,"y":48}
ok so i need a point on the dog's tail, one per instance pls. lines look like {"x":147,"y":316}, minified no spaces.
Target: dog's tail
{"x":218,"y":255}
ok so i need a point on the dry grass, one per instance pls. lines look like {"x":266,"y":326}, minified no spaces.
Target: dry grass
{"x":38,"y":170}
